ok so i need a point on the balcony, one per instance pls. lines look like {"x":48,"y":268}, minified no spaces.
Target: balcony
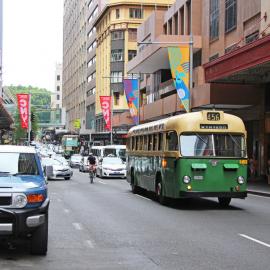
{"x":160,"y":108}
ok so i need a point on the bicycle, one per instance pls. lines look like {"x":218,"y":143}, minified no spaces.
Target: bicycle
{"x":92,"y":174}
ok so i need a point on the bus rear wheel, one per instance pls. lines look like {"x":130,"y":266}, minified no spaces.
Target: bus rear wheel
{"x":224,"y":201}
{"x":134,"y":188}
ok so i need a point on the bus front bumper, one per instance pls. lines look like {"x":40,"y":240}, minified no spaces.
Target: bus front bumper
{"x":198,"y":194}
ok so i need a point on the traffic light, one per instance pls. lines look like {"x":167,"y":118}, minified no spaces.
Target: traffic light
{"x":32,"y":135}
{"x":33,"y":117}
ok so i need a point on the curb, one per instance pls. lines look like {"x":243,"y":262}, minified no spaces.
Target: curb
{"x":259,"y":193}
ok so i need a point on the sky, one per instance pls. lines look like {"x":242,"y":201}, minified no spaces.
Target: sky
{"x":32,"y":42}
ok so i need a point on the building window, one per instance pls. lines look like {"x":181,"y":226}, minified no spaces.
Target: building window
{"x":132,"y":34}
{"x":117,"y":55}
{"x":231,"y":48}
{"x":117,"y":13}
{"x":116,"y":76}
{"x":58,"y":88}
{"x":213,"y":57}
{"x":58,"y":97}
{"x":58,"y":78}
{"x":116,"y":98}
{"x":131,"y":54}
{"x":135,"y":13}
{"x":252,"y":37}
{"x":116,"y":35}
{"x":214,"y":19}
{"x":230,"y":15}
{"x":57,"y":106}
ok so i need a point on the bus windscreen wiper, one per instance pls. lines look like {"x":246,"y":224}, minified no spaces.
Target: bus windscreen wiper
{"x":235,"y":141}
{"x":201,"y":138}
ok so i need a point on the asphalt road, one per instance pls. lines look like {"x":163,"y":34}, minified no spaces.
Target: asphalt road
{"x":104,"y":226}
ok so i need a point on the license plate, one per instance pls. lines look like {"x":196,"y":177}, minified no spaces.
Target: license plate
{"x":198,"y":177}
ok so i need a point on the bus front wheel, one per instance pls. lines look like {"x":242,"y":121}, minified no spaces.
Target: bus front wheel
{"x":224,"y":201}
{"x":159,"y":193}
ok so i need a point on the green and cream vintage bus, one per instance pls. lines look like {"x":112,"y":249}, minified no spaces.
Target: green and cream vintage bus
{"x":197,"y":154}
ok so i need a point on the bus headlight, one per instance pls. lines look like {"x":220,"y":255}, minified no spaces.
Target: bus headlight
{"x":186,"y":179}
{"x":241,"y":180}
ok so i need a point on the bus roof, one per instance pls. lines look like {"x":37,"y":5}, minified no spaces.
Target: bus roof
{"x":193,"y":122}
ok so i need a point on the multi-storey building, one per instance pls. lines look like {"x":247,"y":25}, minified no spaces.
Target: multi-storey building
{"x":56,"y":98}
{"x":58,"y":112}
{"x":75,"y":61}
{"x":116,"y":28}
{"x":1,"y":39}
{"x":231,"y":63}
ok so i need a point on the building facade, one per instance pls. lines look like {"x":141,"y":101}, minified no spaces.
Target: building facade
{"x":116,"y":28}
{"x":74,"y":61}
{"x":231,"y":63}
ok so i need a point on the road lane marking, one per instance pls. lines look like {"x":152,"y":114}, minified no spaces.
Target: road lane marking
{"x":77,"y":226}
{"x":142,"y":197}
{"x":89,"y":243}
{"x":255,"y":240}
{"x":66,"y":211}
{"x":59,"y":200}
{"x":101,"y":182}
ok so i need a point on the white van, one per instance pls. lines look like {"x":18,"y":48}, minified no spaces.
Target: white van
{"x":97,"y":151}
{"x":115,"y":150}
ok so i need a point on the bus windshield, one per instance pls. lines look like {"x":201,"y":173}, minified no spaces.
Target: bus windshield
{"x":216,"y":145}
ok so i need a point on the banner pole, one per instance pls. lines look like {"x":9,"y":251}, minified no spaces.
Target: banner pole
{"x":111,"y":116}
{"x":29,"y":118}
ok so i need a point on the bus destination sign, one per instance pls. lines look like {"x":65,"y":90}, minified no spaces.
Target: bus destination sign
{"x":213,"y":126}
{"x":213,"y":116}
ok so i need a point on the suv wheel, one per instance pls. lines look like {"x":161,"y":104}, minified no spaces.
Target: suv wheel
{"x":39,"y":240}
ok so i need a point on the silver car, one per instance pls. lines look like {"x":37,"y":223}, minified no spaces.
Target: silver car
{"x":112,"y":167}
{"x":60,"y":170}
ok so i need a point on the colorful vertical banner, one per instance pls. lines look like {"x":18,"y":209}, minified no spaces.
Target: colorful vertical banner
{"x":23,"y":106}
{"x":131,"y":87}
{"x":105,"y":102}
{"x":179,"y":62}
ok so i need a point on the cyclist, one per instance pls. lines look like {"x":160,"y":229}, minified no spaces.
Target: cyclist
{"x":92,"y":166}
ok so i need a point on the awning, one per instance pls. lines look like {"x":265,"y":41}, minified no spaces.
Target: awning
{"x":249,"y":64}
{"x":153,"y":57}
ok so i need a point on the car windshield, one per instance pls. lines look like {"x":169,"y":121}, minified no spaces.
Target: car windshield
{"x":218,"y":145}
{"x":112,"y":160}
{"x":18,"y":163}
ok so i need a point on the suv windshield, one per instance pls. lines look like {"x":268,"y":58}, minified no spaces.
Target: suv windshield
{"x":218,"y":145}
{"x":18,"y":163}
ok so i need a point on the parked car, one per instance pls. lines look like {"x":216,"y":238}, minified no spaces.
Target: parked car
{"x":111,"y":167}
{"x":75,"y":161}
{"x":24,"y":203}
{"x":84,"y":165}
{"x":59,"y":169}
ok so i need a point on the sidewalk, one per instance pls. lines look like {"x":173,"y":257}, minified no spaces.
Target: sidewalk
{"x":258,"y":187}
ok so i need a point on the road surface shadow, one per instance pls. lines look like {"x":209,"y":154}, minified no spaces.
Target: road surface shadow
{"x":192,"y":204}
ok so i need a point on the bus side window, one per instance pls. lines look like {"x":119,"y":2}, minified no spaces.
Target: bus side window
{"x":172,"y":141}
{"x":160,"y":141}
{"x":150,"y":142}
{"x":145,"y":142}
{"x":155,"y":142}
